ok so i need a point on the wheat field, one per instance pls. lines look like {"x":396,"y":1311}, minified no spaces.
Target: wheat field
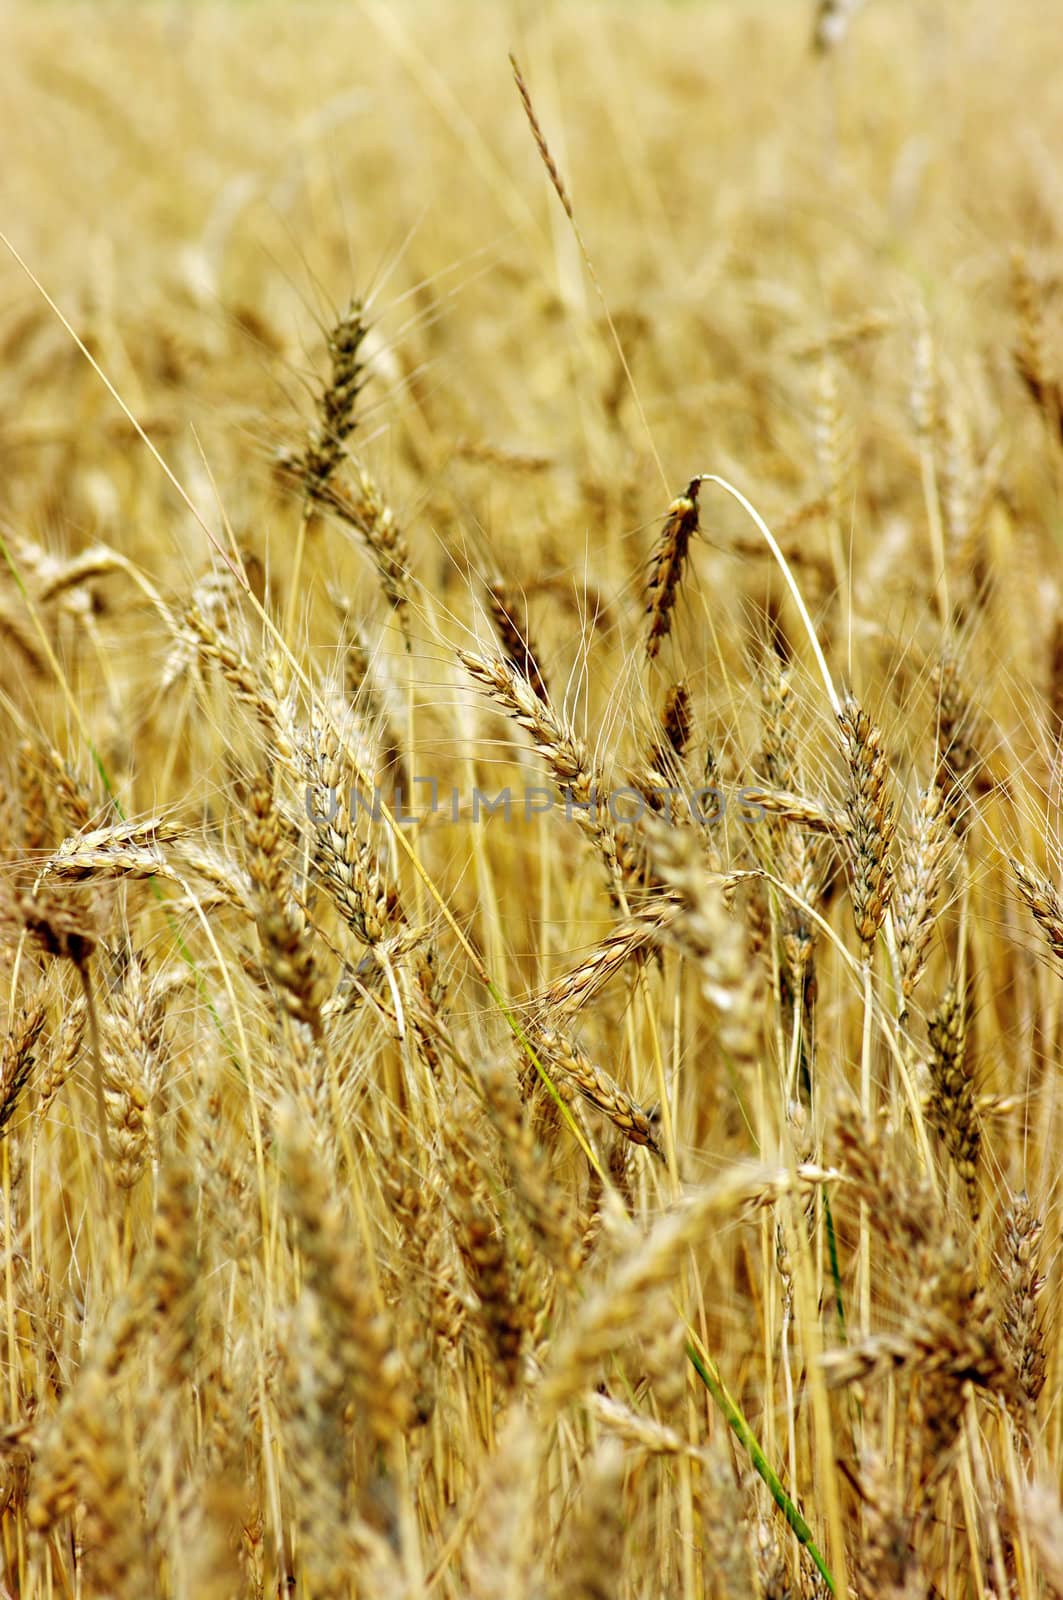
{"x":531,"y":921}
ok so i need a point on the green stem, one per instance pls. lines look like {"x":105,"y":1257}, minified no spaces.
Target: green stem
{"x":835,"y":1270}
{"x":710,"y":1377}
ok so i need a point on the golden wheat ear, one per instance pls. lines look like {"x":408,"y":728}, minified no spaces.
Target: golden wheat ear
{"x":667,"y":564}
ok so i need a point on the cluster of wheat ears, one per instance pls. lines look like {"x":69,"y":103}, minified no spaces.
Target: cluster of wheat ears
{"x":440,"y":1154}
